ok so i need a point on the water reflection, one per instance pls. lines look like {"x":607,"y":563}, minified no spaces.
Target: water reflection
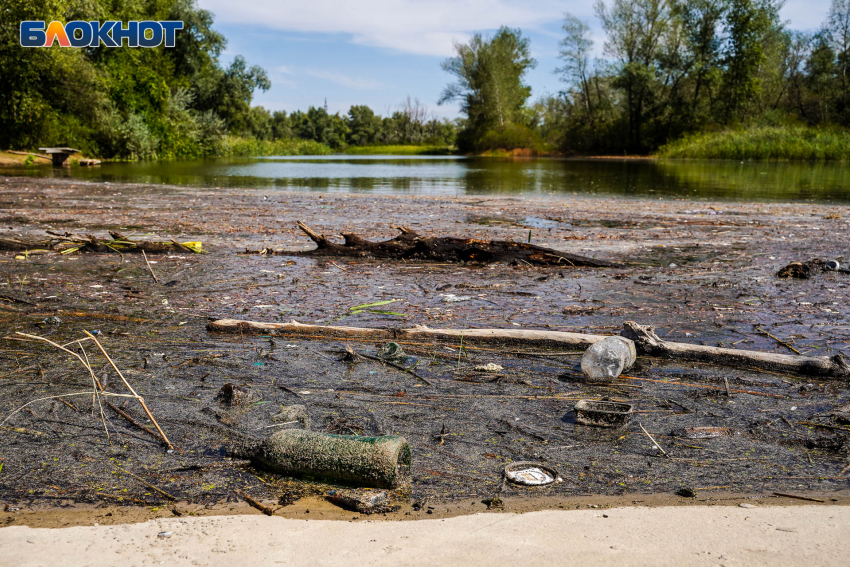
{"x":728,"y":180}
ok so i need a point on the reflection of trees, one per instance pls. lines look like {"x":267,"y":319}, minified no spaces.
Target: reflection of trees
{"x":692,"y":179}
{"x":758,"y":180}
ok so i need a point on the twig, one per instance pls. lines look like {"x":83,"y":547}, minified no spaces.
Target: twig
{"x":69,"y":404}
{"x":258,"y":505}
{"x":146,"y":483}
{"x":126,"y":416}
{"x":783,"y":494}
{"x":149,"y":267}
{"x":657,"y":446}
{"x":778,"y":340}
{"x":398,"y":366}
{"x":132,"y":391}
{"x":726,"y":381}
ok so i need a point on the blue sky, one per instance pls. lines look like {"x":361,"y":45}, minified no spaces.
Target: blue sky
{"x":377,"y":52}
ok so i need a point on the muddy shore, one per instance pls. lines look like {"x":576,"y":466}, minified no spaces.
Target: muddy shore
{"x":701,"y":272}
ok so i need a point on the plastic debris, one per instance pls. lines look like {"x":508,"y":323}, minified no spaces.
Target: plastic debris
{"x":531,"y":474}
{"x":489,"y":367}
{"x":52,"y":321}
{"x":602,"y":413}
{"x":607,"y":359}
{"x":391,"y":352}
{"x":452,"y":298}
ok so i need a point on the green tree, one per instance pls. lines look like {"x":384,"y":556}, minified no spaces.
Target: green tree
{"x":364,"y":126}
{"x":749,"y":24}
{"x":489,"y":84}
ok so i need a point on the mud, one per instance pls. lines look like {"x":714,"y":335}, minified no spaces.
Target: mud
{"x":700,"y":272}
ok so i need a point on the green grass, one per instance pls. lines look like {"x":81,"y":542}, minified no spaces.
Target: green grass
{"x":247,"y":147}
{"x":399,"y":150}
{"x":764,"y":143}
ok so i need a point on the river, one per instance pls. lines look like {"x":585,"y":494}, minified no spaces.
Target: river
{"x":440,"y":175}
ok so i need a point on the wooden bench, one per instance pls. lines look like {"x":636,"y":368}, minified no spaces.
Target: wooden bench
{"x":60,"y":155}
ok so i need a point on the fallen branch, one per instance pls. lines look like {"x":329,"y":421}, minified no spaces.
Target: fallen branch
{"x":647,"y":342}
{"x":140,"y":399}
{"x":258,"y":505}
{"x":127,"y":416}
{"x":411,"y":246}
{"x":153,"y":275}
{"x":397,"y":366}
{"x":146,"y":483}
{"x":806,"y":498}
{"x":418,"y":333}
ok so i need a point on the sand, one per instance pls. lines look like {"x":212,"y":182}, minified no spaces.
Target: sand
{"x":721,"y":535}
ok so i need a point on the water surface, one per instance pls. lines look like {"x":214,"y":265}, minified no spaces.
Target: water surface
{"x":448,"y":175}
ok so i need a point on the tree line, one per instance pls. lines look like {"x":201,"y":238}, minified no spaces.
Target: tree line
{"x":669,"y":68}
{"x":166,"y":103}
{"x":409,"y":124}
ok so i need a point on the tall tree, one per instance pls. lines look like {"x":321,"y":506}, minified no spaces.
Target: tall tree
{"x":748,"y":26}
{"x":636,"y":30}
{"x":489,"y":83}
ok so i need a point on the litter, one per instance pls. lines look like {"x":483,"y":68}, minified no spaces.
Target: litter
{"x":391,"y":352}
{"x":701,"y":432}
{"x":607,"y":359}
{"x":489,"y":367}
{"x":363,"y":501}
{"x":602,"y":414}
{"x":531,"y":474}
{"x":452,"y":298}
{"x":382,"y":462}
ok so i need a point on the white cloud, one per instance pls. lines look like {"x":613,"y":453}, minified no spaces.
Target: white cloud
{"x":344,"y":80}
{"x":427,"y":27}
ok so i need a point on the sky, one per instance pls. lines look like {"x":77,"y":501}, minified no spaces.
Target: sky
{"x":378,"y":52}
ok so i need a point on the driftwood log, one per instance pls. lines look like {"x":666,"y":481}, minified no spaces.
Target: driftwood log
{"x":646,"y":341}
{"x":416,"y":333}
{"x":411,"y":246}
{"x":90,"y":243}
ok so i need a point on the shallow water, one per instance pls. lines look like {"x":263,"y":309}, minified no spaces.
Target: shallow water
{"x":441,"y":175}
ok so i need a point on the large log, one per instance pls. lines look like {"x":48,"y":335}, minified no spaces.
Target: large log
{"x":411,"y":246}
{"x":647,"y":342}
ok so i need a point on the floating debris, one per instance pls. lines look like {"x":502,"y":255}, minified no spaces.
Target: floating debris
{"x":531,"y":474}
{"x":489,"y":367}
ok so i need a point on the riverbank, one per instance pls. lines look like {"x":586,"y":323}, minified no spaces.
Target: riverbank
{"x":702,"y":272}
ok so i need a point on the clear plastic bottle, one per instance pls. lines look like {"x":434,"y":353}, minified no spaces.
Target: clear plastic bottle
{"x":607,"y":359}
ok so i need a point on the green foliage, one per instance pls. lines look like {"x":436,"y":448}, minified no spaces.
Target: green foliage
{"x":125,"y":103}
{"x":510,"y":137}
{"x":247,"y":147}
{"x":489,"y":83}
{"x":764,"y":143}
{"x":400,"y":150}
{"x":676,"y":67}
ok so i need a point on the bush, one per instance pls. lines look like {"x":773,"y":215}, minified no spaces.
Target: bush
{"x":510,"y":137}
{"x":248,"y":147}
{"x":764,"y":143}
